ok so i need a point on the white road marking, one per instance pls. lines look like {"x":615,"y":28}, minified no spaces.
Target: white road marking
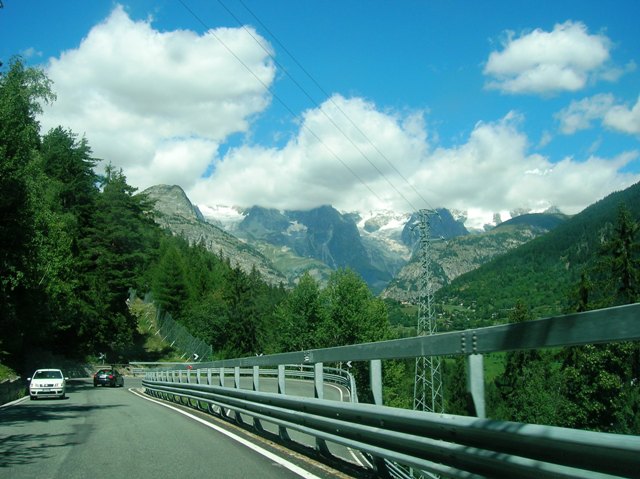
{"x":17,"y":401}
{"x":269,"y":455}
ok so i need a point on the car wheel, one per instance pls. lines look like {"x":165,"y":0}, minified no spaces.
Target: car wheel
{"x":33,"y":398}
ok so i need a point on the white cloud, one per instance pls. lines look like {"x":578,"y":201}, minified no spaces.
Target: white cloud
{"x":345,"y":153}
{"x":623,"y":119}
{"x":543,"y":62}
{"x":491,"y":171}
{"x":545,"y":139}
{"x":30,"y":53}
{"x":579,"y":115}
{"x":158,"y":104}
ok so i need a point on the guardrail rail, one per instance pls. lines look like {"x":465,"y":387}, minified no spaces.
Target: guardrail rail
{"x":441,"y":444}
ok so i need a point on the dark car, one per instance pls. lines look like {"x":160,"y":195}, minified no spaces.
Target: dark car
{"x":108,"y":377}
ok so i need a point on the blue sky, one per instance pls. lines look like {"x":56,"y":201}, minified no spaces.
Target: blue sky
{"x":479,"y":106}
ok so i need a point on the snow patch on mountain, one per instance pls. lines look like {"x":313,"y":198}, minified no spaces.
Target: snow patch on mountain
{"x":226,"y":217}
{"x":382,"y":226}
{"x":385,"y":228}
{"x":296,"y":228}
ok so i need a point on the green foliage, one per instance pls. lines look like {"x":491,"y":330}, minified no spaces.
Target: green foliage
{"x":456,"y":398}
{"x":398,"y":383}
{"x":593,"y":387}
{"x":72,"y":244}
{"x":22,"y":90}
{"x":602,"y":382}
{"x":529,"y":389}
{"x":401,"y":315}
{"x":351,"y":313}
{"x":299,"y":316}
{"x":169,"y":282}
{"x":544,"y":269}
{"x":69,"y":251}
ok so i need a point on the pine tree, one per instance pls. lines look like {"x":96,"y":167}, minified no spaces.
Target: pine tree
{"x":528,"y":389}
{"x":299,"y":316}
{"x":170,"y":290}
{"x":602,"y":382}
{"x":22,"y":306}
{"x":115,"y":255}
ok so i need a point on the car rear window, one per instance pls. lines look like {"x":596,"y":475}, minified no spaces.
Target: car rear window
{"x":47,"y":375}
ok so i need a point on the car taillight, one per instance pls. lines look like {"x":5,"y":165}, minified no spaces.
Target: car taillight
{"x":110,"y":376}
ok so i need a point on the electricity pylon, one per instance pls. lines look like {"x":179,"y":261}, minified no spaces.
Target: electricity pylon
{"x":427,"y":392}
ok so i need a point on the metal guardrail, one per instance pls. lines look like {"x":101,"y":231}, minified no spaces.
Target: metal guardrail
{"x":175,"y":333}
{"x":187,"y":373}
{"x":446,"y":445}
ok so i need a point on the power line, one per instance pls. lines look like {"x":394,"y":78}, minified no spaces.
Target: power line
{"x":282,"y":102}
{"x":312,"y":100}
{"x":326,"y":94}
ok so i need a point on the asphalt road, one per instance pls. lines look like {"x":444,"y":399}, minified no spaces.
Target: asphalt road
{"x":115,"y":433}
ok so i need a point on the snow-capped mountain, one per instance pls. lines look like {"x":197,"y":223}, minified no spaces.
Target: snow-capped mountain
{"x":378,"y":245}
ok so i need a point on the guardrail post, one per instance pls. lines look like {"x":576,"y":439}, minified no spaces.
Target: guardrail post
{"x":256,"y":378}
{"x":282,"y":431}
{"x":318,"y":392}
{"x":475,"y":382}
{"x":281,"y":380}
{"x":209,"y":378}
{"x":375,"y":376}
{"x":236,"y":385}
{"x":222,"y":376}
{"x":256,"y":387}
{"x":318,"y":381}
{"x":375,"y":381}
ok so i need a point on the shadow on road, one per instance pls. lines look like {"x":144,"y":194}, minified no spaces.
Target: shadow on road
{"x":46,"y":410}
{"x":13,"y":448}
{"x":18,"y":448}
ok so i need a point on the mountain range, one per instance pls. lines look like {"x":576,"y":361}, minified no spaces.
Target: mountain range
{"x":380,"y":245}
{"x":543,"y":273}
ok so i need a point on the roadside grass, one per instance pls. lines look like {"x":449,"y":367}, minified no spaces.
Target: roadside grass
{"x":149,"y":344}
{"x":6,"y":373}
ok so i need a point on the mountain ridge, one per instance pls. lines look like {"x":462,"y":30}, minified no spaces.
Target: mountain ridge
{"x":174,"y":211}
{"x":380,"y":246}
{"x":543,"y":272}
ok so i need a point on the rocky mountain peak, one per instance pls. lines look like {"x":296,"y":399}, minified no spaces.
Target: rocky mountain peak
{"x":172,"y":200}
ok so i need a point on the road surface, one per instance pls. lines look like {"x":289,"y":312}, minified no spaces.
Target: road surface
{"x":107,"y":432}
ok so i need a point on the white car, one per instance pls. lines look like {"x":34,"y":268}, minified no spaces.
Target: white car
{"x":47,"y":383}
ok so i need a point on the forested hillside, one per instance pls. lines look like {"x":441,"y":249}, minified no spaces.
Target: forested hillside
{"x":543,"y":273}
{"x":73,"y":243}
{"x":590,"y":262}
